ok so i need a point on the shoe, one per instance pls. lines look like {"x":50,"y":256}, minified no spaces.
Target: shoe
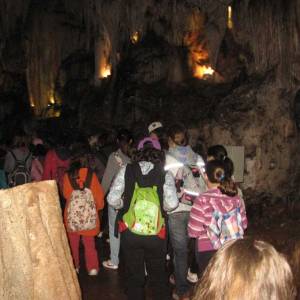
{"x":93,"y":272}
{"x":192,"y":277}
{"x":172,"y":279}
{"x":109,"y":265}
{"x":168,"y":257}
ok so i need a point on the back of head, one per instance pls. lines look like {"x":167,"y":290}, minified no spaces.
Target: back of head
{"x":216,"y":173}
{"x":246,"y":269}
{"x":149,"y":149}
{"x":78,"y":159}
{"x":124,"y":136}
{"x":177,"y":133}
{"x":219,"y":152}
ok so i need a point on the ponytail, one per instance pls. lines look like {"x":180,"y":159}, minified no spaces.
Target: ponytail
{"x":216,"y":173}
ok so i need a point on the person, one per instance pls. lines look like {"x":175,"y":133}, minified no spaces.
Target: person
{"x":154,"y":129}
{"x":219,"y":152}
{"x":37,"y":167}
{"x":221,"y":197}
{"x":180,"y":160}
{"x":144,"y":250}
{"x":116,"y":160}
{"x":247,"y":269}
{"x":57,"y":162}
{"x":157,"y":131}
{"x":79,"y":177}
{"x":18,"y":156}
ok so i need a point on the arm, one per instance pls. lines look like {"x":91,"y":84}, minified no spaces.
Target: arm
{"x":110,"y":171}
{"x":243,"y":213}
{"x":170,"y":196}
{"x":114,"y":197}
{"x":67,"y":188}
{"x":98,"y":192}
{"x":197,"y":219}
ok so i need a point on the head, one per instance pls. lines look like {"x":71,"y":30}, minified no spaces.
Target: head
{"x":124,"y":140}
{"x":149,"y":149}
{"x":246,"y":269}
{"x":219,"y":152}
{"x":216,"y":177}
{"x":155,"y":129}
{"x":39,"y":150}
{"x":21,"y":140}
{"x":79,"y":159}
{"x":177,"y":135}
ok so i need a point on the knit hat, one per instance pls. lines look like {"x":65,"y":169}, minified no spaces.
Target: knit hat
{"x":153,"y":142}
{"x":154,"y":126}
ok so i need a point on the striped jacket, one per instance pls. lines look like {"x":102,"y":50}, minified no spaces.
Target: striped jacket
{"x":202,"y":211}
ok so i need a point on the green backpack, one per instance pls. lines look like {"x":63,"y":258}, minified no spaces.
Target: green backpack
{"x":144,"y":215}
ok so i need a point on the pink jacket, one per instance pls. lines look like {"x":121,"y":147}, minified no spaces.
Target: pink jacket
{"x":201,"y":215}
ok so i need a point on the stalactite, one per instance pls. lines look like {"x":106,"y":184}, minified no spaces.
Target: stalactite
{"x":50,"y":41}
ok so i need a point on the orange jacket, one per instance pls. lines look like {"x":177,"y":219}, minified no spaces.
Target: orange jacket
{"x":98,"y":194}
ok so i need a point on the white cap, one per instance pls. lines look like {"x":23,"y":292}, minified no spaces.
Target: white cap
{"x":154,"y":126}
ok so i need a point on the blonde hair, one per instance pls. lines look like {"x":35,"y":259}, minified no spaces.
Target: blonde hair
{"x":246,"y":269}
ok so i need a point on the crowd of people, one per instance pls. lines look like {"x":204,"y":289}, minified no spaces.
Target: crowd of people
{"x":163,"y":198}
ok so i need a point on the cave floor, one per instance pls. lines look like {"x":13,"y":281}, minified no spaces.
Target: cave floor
{"x":109,"y":284}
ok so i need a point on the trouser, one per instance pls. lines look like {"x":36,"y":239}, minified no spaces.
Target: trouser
{"x":114,"y":242}
{"x":193,"y":263}
{"x":140,"y":250}
{"x":203,"y":259}
{"x":90,"y":252}
{"x":178,"y":223}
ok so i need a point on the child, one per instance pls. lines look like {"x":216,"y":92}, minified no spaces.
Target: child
{"x":247,"y":269}
{"x":220,"y":199}
{"x":80,"y":179}
{"x":146,"y":171}
{"x":37,"y":167}
{"x":219,"y":152}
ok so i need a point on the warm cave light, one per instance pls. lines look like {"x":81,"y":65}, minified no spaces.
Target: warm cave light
{"x":105,"y":71}
{"x":134,"y":37}
{"x":52,"y":100}
{"x":229,"y":17}
{"x":202,"y":72}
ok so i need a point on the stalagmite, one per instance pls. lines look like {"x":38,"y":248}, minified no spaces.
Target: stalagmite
{"x":35,"y":259}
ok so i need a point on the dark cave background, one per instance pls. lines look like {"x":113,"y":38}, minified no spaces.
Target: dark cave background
{"x":104,"y":64}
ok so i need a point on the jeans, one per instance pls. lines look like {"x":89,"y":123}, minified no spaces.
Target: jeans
{"x":90,"y":252}
{"x":178,"y":223}
{"x":139,"y":251}
{"x":114,"y":242}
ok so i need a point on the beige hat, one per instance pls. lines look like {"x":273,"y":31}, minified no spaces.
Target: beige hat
{"x":154,"y":126}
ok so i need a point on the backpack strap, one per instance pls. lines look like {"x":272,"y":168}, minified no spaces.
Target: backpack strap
{"x":20,"y":160}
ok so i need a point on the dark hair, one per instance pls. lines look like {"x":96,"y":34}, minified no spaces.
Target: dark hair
{"x":176,"y":129}
{"x":150,"y":154}
{"x":216,"y":173}
{"x":38,"y":150}
{"x":219,"y":152}
{"x":78,"y":159}
{"x":124,"y":136}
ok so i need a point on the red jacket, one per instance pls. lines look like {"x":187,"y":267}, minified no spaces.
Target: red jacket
{"x":98,"y":194}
